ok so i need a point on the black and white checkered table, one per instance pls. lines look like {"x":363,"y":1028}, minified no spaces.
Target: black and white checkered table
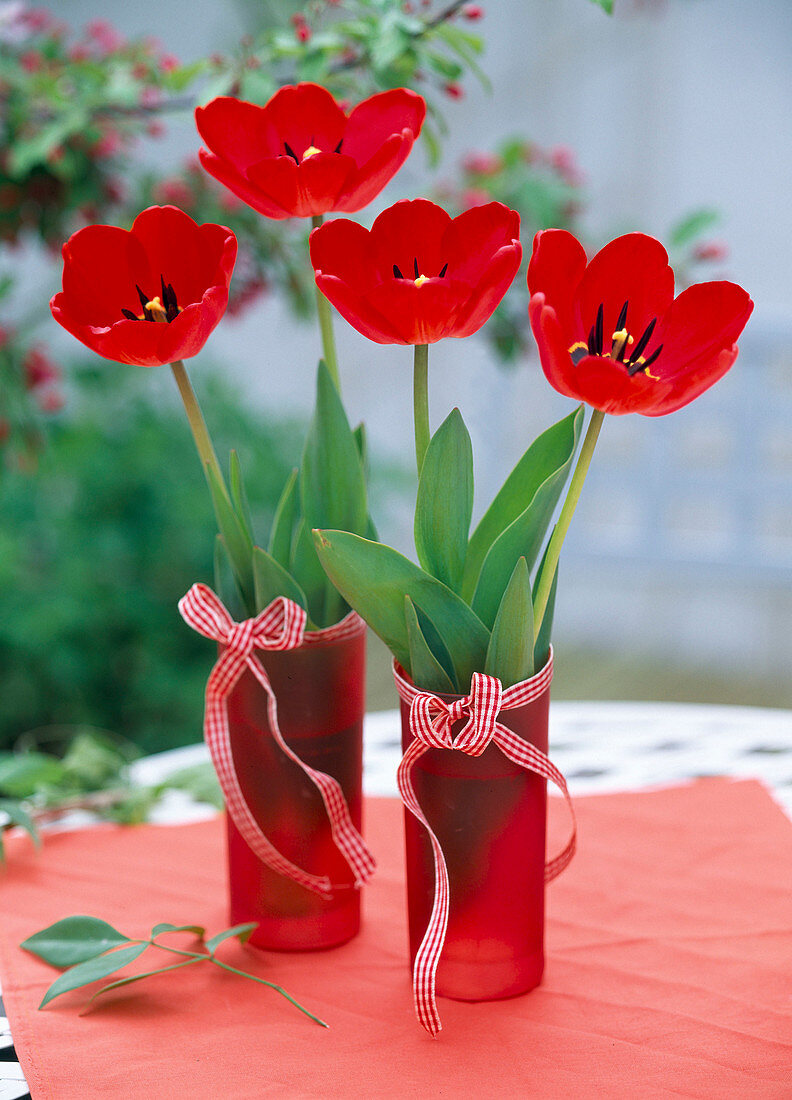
{"x":600,"y":747}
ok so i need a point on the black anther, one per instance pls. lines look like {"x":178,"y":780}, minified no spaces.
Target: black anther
{"x":600,"y":328}
{"x":338,"y":147}
{"x":442,"y":273}
{"x":144,"y":298}
{"x":396,"y":273}
{"x":290,"y":152}
{"x":622,"y":321}
{"x":647,"y":335}
{"x":130,"y":315}
{"x":415,"y":267}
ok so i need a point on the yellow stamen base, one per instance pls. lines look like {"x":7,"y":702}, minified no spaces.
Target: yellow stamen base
{"x":311,"y":151}
{"x":421,"y":280}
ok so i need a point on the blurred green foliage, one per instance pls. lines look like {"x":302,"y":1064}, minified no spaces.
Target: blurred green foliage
{"x":96,"y":550}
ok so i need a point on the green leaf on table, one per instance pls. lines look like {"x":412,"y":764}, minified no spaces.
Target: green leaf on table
{"x":544,"y":466}
{"x":242,"y":932}
{"x":426,"y":671}
{"x":374,"y":579}
{"x":146,"y":974}
{"x":17,"y":815}
{"x":74,"y":940}
{"x":280,"y":540}
{"x":271,"y":580}
{"x":444,"y":504}
{"x":543,"y":634}
{"x":511,"y":648}
{"x":23,"y":773}
{"x":237,"y":542}
{"x":196,"y":929}
{"x":92,"y":970}
{"x":239,"y":496}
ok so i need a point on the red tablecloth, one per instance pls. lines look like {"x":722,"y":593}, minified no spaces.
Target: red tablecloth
{"x":669,"y":970}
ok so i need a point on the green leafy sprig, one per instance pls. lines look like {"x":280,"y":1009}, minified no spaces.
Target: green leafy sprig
{"x":89,"y":949}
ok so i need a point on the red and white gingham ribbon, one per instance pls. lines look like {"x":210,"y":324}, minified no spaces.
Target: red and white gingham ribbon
{"x":431,"y":720}
{"x":280,"y":626}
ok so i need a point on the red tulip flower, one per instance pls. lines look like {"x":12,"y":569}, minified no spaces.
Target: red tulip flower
{"x":118,"y":284}
{"x":418,"y":275}
{"x":611,"y":333}
{"x":301,"y":156}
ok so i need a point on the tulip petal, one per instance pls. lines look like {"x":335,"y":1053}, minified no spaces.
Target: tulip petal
{"x":344,"y":248}
{"x":472,"y":240}
{"x":172,"y":248}
{"x":306,"y":189}
{"x":420,"y":314}
{"x":556,"y":268}
{"x":633,"y":268}
{"x":366,"y":182}
{"x":240,"y":186}
{"x":701,"y":375}
{"x":238,"y":132}
{"x":97,"y":279}
{"x":304,"y":115}
{"x":703,"y":320}
{"x":409,"y":232}
{"x":376,"y":119}
{"x":354,"y":308}
{"x":605,"y":384}
{"x":496,"y":280}
{"x":552,"y":343}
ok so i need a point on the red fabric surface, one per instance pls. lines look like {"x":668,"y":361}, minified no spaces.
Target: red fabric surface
{"x":668,"y":973}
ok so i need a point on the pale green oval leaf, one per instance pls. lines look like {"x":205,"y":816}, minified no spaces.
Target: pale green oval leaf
{"x":85,"y":973}
{"x":426,"y":671}
{"x":242,"y":932}
{"x":73,"y":940}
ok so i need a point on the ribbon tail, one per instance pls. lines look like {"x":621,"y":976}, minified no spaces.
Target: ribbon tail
{"x":345,"y":836}
{"x":428,"y":954}
{"x":528,"y":756}
{"x":218,"y":740}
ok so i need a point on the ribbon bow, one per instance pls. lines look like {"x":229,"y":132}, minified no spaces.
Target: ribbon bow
{"x":280,"y":626}
{"x":431,"y":720}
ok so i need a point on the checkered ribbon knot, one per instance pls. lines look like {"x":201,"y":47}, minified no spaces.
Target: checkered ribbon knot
{"x":431,"y":721}
{"x":280,"y":626}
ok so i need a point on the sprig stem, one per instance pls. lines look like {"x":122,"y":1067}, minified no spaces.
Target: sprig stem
{"x":200,"y":432}
{"x":565,"y":518}
{"x":326,"y":324}
{"x":421,"y":402}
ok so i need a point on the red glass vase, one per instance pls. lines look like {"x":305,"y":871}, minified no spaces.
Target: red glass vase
{"x":320,"y":694}
{"x":489,"y":816}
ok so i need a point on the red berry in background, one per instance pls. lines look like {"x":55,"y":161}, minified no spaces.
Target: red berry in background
{"x":453,"y":91}
{"x":473,"y":12}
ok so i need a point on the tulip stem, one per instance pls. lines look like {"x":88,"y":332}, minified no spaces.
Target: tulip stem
{"x":206,"y":451}
{"x":565,"y":518}
{"x":326,"y":325}
{"x":421,"y":402}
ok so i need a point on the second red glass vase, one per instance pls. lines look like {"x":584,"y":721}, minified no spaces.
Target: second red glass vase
{"x":320,"y":693}
{"x":489,"y":816}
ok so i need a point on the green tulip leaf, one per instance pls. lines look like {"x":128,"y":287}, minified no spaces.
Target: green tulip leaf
{"x":239,"y":496}
{"x":74,"y":940}
{"x":544,"y":466}
{"x":511,"y":648}
{"x":280,"y":541}
{"x":444,"y":504}
{"x":226,"y":585}
{"x":426,"y":671}
{"x":523,"y":537}
{"x":242,"y":932}
{"x":237,"y":542}
{"x":332,"y":483}
{"x":271,"y":580}
{"x":374,"y":579}
{"x":542,"y":643}
{"x":92,"y":970}
{"x":308,"y":573}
